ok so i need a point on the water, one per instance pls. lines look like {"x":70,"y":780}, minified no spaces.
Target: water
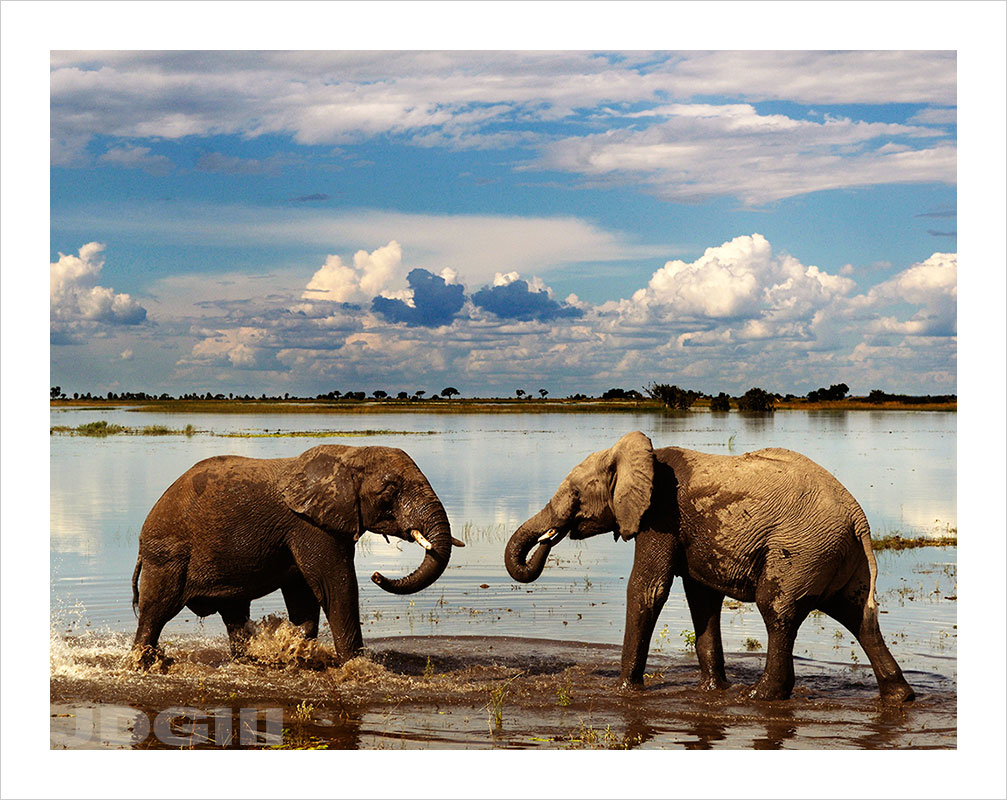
{"x":493,"y":471}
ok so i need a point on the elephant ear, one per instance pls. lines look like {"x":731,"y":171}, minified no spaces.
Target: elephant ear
{"x":321,"y":486}
{"x":633,"y":464}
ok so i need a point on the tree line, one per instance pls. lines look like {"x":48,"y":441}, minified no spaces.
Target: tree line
{"x":670,"y":395}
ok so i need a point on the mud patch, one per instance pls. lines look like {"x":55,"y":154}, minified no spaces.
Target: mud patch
{"x":448,"y":692}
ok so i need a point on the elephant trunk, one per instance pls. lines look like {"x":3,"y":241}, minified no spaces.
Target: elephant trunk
{"x":520,"y":567}
{"x":437,"y":532}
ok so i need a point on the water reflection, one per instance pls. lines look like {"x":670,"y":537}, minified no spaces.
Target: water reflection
{"x":492,"y":471}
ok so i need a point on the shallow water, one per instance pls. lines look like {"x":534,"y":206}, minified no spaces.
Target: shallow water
{"x":492,"y":472}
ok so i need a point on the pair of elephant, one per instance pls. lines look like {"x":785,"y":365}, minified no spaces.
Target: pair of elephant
{"x":770,"y":526}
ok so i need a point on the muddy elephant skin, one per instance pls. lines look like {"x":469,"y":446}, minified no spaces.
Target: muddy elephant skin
{"x":770,"y":527}
{"x":233,"y":529}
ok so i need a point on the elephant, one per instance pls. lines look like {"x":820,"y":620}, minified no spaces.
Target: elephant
{"x":233,"y":529}
{"x":770,"y":526}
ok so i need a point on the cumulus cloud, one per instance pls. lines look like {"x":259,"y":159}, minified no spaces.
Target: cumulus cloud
{"x":77,"y":303}
{"x":370,"y":273}
{"x":739,"y":315}
{"x":431,"y":301}
{"x":930,"y":286}
{"x":740,"y":279}
{"x":513,"y":298}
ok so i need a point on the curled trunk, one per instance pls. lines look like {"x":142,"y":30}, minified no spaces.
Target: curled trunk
{"x":435,"y":560}
{"x":520,"y":567}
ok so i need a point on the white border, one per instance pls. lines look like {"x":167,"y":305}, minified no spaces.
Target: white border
{"x":30,"y":30}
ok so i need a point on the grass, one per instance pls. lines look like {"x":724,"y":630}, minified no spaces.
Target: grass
{"x":897,"y":542}
{"x":496,"y":702}
{"x":102,"y":428}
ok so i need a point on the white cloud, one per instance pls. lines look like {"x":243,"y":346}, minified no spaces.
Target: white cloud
{"x":473,"y":246}
{"x":77,"y":303}
{"x":931,"y":286}
{"x":136,"y":157}
{"x":369,"y":275}
{"x":695,"y":152}
{"x":740,"y":278}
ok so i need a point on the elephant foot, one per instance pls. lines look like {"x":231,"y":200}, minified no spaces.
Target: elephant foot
{"x":713,"y":683}
{"x":146,"y":658}
{"x":765,"y":691}
{"x":629,"y":686}
{"x":897,"y":695}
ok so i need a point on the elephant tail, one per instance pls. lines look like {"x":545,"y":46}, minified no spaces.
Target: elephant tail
{"x":863,"y":532}
{"x":136,"y":586}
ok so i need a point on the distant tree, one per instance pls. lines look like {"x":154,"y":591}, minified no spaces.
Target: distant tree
{"x":837,"y":391}
{"x":520,"y":393}
{"x":418,"y":394}
{"x":672,"y":396}
{"x":379,"y":394}
{"x":877,"y":396}
{"x":543,"y":393}
{"x":720,"y":403}
{"x":435,"y":397}
{"x":578,"y":396}
{"x":403,"y":395}
{"x":622,"y":394}
{"x":449,"y":392}
{"x":756,"y":399}
{"x":54,"y":392}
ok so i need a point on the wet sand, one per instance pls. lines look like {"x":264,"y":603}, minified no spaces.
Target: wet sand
{"x":480,"y":692}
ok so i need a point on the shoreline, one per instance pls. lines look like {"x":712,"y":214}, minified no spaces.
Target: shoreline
{"x":473,"y":406}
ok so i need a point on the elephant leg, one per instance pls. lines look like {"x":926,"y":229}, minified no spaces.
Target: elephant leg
{"x":646,"y":592}
{"x":302,"y":605}
{"x":704,"y":605}
{"x":327,"y":567}
{"x":236,"y":619}
{"x":161,"y":598}
{"x":850,"y":609}
{"x":783,"y":617}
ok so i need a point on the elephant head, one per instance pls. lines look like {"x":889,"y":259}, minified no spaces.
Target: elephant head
{"x":608,"y":491}
{"x":347,"y":491}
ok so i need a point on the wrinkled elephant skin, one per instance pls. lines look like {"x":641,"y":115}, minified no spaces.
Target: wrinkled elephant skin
{"x":770,"y":527}
{"x":233,"y":529}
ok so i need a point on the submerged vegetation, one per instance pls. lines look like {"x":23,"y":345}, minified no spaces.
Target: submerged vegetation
{"x":103,"y":428}
{"x":897,"y":542}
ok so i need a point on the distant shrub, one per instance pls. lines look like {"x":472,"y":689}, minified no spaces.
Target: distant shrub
{"x":837,"y":391}
{"x":756,"y":399}
{"x":720,"y":403}
{"x":622,"y":394}
{"x":672,"y":396}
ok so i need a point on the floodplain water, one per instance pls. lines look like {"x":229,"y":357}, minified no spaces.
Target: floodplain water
{"x":492,"y":471}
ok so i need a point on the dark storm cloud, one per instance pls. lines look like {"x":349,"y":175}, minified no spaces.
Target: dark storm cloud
{"x":517,"y":301}
{"x":435,"y":302}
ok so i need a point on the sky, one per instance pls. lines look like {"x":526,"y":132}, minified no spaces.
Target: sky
{"x":309,"y":221}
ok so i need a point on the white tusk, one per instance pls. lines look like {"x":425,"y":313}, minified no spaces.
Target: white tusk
{"x":547,"y":535}
{"x":422,"y":540}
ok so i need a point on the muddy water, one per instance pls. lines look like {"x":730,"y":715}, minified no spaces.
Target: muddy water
{"x":464,"y":692}
{"x":481,"y":632}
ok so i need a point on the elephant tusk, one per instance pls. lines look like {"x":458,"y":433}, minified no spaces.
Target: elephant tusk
{"x":547,"y":535}
{"x":422,"y":540}
{"x":457,"y":542}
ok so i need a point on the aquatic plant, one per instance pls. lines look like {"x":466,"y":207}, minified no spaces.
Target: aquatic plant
{"x":752,"y":644}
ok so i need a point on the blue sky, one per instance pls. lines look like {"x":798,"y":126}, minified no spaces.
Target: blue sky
{"x":314,"y":220}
